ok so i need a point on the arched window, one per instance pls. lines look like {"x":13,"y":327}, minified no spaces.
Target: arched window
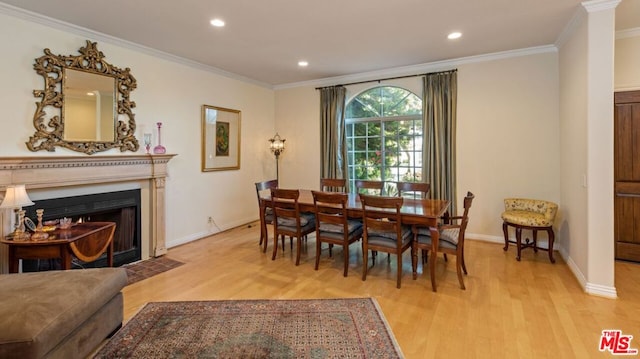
{"x":384,"y":135}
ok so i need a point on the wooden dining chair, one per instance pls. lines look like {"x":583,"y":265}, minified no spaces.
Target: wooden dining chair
{"x":413,"y":189}
{"x":266,"y":212}
{"x":369,"y":187}
{"x":333,"y":226}
{"x":383,"y":230}
{"x":288,"y":221}
{"x":333,"y":184}
{"x":449,"y":240}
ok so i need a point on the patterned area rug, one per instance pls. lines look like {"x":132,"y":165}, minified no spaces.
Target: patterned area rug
{"x":148,"y":268}
{"x":312,"y":328}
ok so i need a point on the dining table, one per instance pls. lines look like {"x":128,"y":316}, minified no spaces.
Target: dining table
{"x":417,"y":212}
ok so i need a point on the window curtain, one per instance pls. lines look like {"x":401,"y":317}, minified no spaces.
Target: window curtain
{"x":333,"y":142}
{"x":439,"y":111}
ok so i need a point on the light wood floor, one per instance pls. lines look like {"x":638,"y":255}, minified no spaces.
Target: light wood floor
{"x":510,"y":309}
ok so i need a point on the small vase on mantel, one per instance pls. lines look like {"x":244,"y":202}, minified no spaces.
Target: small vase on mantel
{"x":159,"y":149}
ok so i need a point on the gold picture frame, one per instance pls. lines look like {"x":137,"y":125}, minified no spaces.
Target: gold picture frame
{"x":220,"y":139}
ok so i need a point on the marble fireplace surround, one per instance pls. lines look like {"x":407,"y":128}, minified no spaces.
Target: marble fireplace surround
{"x":70,"y":172}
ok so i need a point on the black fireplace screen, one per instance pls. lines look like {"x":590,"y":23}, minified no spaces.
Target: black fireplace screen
{"x":121,"y":207}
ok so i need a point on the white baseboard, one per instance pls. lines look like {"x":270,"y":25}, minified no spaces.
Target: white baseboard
{"x":589,"y":288}
{"x":214,"y":230}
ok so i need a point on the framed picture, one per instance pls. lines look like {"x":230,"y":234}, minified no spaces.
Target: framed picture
{"x":220,"y":139}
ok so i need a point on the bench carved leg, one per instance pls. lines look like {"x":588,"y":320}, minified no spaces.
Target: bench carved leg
{"x":518,"y":241}
{"x":551,"y":239}
{"x":505,"y":229}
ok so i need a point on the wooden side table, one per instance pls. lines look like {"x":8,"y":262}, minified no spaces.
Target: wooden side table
{"x":87,"y":241}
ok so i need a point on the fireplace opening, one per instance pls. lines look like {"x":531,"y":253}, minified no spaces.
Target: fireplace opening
{"x":121,"y":207}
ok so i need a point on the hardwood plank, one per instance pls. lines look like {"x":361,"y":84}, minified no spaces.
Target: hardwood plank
{"x":527,"y":309}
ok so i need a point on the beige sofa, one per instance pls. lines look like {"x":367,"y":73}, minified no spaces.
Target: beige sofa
{"x":59,"y":314}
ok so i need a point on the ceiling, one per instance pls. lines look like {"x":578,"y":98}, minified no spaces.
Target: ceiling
{"x":264,"y":40}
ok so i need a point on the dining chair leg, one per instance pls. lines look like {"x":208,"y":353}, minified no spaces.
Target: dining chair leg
{"x":435,"y":237}
{"x":318,"y":249}
{"x":275,"y":247}
{"x":464,"y":266}
{"x":459,"y":270}
{"x":399,"y":265}
{"x":345,"y":254}
{"x":298,"y":245}
{"x":365,"y":260}
{"x":414,"y":261}
{"x":265,"y":241}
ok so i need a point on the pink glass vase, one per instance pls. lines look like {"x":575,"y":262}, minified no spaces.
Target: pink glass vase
{"x":159,"y":149}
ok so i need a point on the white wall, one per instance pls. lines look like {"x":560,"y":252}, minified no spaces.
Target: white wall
{"x":586,"y":68}
{"x":627,"y":63}
{"x":168,"y":92}
{"x":508,"y":134}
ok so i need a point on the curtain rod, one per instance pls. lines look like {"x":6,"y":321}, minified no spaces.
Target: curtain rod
{"x":386,"y":79}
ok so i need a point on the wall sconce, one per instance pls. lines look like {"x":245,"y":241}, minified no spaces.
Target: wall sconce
{"x":16,"y":197}
{"x":277,"y":147}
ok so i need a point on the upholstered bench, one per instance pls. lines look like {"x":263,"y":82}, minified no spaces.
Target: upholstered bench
{"x":59,"y":314}
{"x":530,"y":214}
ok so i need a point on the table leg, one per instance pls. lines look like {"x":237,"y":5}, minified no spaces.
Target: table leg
{"x":66,"y":258}
{"x":14,"y":262}
{"x":110,"y":254}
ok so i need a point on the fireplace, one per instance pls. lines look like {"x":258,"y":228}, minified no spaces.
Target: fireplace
{"x":56,"y":175}
{"x":121,"y":207}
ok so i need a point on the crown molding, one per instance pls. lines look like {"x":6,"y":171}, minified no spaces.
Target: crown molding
{"x":599,"y":5}
{"x":623,"y":34}
{"x":420,"y":68}
{"x":98,"y":36}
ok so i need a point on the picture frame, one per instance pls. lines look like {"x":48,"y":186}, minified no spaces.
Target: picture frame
{"x":220,"y":138}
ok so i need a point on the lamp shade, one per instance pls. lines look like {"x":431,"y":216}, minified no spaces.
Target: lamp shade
{"x":277,"y":144}
{"x":16,"y":197}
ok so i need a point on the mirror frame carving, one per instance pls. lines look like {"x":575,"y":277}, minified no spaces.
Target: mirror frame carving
{"x":50,"y":129}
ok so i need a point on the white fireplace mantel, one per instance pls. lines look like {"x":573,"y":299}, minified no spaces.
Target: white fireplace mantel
{"x":49,"y":172}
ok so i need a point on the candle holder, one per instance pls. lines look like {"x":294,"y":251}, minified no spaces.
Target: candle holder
{"x":39,"y":233}
{"x":159,"y":149}
{"x":147,"y":141}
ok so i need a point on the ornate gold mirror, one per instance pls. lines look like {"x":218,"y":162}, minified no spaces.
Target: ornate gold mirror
{"x":85,"y":104}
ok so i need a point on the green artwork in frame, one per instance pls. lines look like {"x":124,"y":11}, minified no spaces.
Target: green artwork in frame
{"x":220,"y":138}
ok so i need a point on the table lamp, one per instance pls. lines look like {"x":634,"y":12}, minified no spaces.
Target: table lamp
{"x":16,"y":197}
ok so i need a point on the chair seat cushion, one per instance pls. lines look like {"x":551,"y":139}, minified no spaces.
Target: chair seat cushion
{"x":386,"y":239}
{"x":292,"y":229}
{"x":448,"y":235}
{"x":423,"y":239}
{"x":352,"y":225}
{"x":526,"y":218}
{"x":305,"y":218}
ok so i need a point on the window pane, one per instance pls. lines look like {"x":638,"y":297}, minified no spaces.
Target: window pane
{"x":359,"y":144}
{"x":374,"y":144}
{"x":373,"y":129}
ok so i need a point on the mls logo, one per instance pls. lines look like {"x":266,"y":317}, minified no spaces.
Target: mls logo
{"x":617,"y":343}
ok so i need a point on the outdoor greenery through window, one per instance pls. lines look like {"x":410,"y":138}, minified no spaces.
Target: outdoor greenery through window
{"x":384,"y":136}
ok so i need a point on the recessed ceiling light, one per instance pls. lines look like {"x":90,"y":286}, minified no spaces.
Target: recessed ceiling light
{"x":217,"y":23}
{"x":454,"y":35}
{"x":303,"y":63}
